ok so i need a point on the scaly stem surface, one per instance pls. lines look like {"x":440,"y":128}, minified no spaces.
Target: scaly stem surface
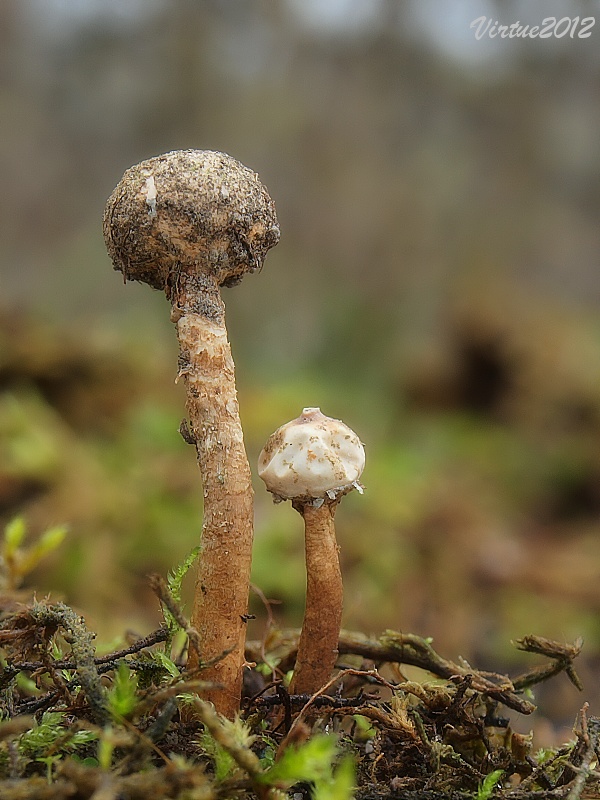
{"x":221,"y":594}
{"x":318,"y":645}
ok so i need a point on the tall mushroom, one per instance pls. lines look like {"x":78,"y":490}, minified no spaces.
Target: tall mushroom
{"x":187,"y":223}
{"x":314,"y":461}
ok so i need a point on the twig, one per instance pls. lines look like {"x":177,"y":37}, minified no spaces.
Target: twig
{"x":308,"y":705}
{"x":159,"y":727}
{"x":284,"y":696}
{"x":323,"y":701}
{"x":270,"y":619}
{"x":243,"y":756}
{"x":81,"y":641}
{"x":591,"y":736}
{"x":162,"y":591}
{"x":159,"y":635}
{"x":407,"y":648}
{"x":180,"y":687}
{"x":562,"y":656}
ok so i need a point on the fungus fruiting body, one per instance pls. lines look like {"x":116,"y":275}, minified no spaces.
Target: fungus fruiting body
{"x":187,"y":223}
{"x":314,"y":461}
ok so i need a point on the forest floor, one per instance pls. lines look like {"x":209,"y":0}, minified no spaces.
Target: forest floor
{"x":132,"y":724}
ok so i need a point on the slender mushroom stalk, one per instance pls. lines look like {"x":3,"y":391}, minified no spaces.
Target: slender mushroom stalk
{"x":314,"y":461}
{"x":189,"y":222}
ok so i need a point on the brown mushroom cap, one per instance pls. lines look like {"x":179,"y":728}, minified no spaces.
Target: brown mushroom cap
{"x":191,"y":211}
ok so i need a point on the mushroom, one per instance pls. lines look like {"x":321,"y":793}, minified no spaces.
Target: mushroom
{"x":314,"y":461}
{"x":187,"y":223}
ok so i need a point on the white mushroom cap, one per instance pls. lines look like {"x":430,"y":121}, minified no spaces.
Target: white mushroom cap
{"x":312,"y":457}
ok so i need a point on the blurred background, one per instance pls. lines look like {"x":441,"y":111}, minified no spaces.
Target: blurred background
{"x":436,"y":287}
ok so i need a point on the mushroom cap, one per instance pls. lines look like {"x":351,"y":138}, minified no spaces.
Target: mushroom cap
{"x":196,"y":211}
{"x":312,"y":457}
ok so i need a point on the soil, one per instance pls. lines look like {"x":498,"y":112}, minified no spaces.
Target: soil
{"x":65,"y":709}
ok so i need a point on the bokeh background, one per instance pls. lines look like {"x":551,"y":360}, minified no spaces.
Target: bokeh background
{"x":436,"y":286}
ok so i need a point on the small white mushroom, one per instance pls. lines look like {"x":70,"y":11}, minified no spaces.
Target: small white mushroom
{"x":314,"y":461}
{"x":312,"y":457}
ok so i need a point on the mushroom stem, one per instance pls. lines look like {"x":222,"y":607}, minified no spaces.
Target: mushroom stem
{"x":318,"y":645}
{"x":221,"y":592}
